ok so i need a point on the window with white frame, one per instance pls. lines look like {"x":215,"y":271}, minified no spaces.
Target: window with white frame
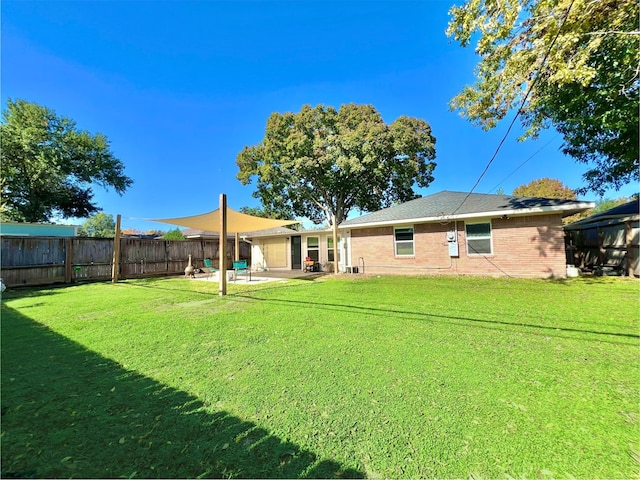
{"x":479,"y":238}
{"x":313,"y":248}
{"x":403,"y":238}
{"x":330,"y":249}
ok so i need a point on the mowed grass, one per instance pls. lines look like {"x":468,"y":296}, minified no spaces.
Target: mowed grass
{"x":401,"y":377}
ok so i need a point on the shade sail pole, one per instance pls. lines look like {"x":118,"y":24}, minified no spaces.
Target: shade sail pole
{"x":222,"y":248}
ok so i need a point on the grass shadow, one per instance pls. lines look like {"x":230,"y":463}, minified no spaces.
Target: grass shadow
{"x":533,"y":328}
{"x":237,"y":292}
{"x":69,"y":412}
{"x":591,"y":280}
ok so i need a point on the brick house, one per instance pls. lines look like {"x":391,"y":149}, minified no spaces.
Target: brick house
{"x":459,"y":233}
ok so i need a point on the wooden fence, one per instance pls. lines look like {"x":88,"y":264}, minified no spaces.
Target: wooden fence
{"x":614,"y":246}
{"x":47,"y":260}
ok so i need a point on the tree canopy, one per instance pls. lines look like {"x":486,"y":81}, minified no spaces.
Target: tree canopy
{"x":98,"y":225}
{"x":546,"y":188}
{"x":605,"y":204}
{"x":577,"y":60}
{"x":175,"y":234}
{"x":48,"y":165}
{"x":321,"y":163}
{"x":269,"y":213}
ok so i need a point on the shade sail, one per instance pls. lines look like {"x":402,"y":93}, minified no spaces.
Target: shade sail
{"x":236,"y":222}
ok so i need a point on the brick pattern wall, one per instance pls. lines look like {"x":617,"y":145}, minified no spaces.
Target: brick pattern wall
{"x":528,"y":246}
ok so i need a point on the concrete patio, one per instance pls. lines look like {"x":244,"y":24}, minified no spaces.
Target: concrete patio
{"x":265,"y":276}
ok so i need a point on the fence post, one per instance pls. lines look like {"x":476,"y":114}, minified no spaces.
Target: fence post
{"x":68,"y":257}
{"x":116,"y":252}
{"x":166,"y":256}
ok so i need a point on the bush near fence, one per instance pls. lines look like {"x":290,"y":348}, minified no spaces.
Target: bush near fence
{"x":48,"y":260}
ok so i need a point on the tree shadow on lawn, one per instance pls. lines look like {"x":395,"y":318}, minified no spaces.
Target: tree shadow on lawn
{"x":494,"y":324}
{"x":69,"y":412}
{"x":546,"y":330}
{"x":156,"y":284}
{"x":34,"y":291}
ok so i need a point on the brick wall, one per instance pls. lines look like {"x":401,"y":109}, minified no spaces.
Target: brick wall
{"x":530,"y":246}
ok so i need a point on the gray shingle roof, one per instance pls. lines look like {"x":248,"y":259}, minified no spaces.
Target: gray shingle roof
{"x":620,"y":213}
{"x":192,"y":232}
{"x":626,"y":209}
{"x":271,"y":232}
{"x":447,"y":204}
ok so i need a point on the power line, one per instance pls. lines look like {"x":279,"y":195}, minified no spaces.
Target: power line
{"x":519,"y":111}
{"x":522,"y":164}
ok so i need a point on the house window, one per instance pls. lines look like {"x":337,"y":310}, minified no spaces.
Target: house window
{"x":330,"y":249}
{"x":479,"y":238}
{"x":313,"y":248}
{"x":403,"y":241}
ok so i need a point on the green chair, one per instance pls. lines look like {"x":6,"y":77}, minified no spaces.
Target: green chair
{"x":240,"y":266}
{"x":209,"y":267}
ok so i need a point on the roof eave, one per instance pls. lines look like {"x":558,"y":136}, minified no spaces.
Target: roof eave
{"x":602,"y":220}
{"x":567,"y":209}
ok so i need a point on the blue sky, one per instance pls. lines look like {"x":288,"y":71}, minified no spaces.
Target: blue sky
{"x":179,"y":88}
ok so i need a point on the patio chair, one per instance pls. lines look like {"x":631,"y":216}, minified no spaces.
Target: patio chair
{"x":240,"y":266}
{"x":211,"y":269}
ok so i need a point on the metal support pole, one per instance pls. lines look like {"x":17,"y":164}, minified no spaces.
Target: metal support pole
{"x":223,"y":245}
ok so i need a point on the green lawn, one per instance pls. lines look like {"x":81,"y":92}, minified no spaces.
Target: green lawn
{"x":338,"y":377}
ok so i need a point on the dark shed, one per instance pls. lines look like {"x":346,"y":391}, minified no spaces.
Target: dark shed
{"x":606,"y":242}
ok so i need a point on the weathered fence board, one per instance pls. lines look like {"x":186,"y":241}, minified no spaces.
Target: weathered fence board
{"x":23,"y":251}
{"x":598,"y":246}
{"x":91,"y":258}
{"x":32,"y":260}
{"x":48,"y":260}
{"x":32,"y":275}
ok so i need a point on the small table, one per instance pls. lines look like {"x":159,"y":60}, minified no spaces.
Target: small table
{"x":231,"y":276}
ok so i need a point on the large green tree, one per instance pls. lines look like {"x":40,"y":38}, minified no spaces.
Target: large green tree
{"x":100,"y":225}
{"x":321,"y":163}
{"x":48,"y":165}
{"x":269,"y":213}
{"x":545,"y":187}
{"x":567,"y":64}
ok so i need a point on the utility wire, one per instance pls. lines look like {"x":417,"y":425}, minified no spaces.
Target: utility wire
{"x":524,"y":100}
{"x":523,"y":163}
